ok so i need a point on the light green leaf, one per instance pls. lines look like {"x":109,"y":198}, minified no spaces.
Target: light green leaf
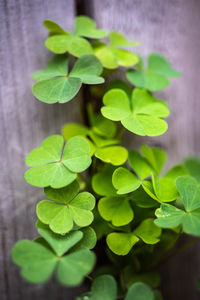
{"x":73,"y":129}
{"x":155,"y":77}
{"x":142,"y":199}
{"x":156,"y":157}
{"x":88,"y":68}
{"x":104,"y":287}
{"x":139,"y":291}
{"x":60,"y":244}
{"x":148,"y":232}
{"x":125,"y":58}
{"x":53,"y":27}
{"x":112,"y":57}
{"x":115,"y":155}
{"x":139,"y":164}
{"x":51,"y":167}
{"x":121,"y":243}
{"x":58,"y":44}
{"x":116,"y":209}
{"x":66,"y":208}
{"x":55,"y":85}
{"x":38,"y":261}
{"x":124,"y":181}
{"x":86,"y":27}
{"x":76,"y":154}
{"x":159,"y":65}
{"x":116,"y":105}
{"x":88,"y":241}
{"x":57,"y":66}
{"x":143,"y":118}
{"x":168,"y":216}
{"x":73,"y":267}
{"x":105,"y":178}
{"x":75,"y":45}
{"x":189,"y":191}
{"x":100,"y":126}
{"x":117,"y":39}
{"x":192,"y":164}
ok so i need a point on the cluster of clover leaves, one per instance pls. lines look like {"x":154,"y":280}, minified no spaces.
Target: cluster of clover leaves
{"x":139,"y":213}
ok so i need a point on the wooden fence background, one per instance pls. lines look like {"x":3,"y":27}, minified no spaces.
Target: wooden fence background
{"x":170,"y":27}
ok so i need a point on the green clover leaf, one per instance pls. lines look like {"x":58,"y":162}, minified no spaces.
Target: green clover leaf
{"x":56,"y":85}
{"x":148,"y":232}
{"x":39,"y":259}
{"x":117,"y":39}
{"x":102,"y":143}
{"x":66,"y":208}
{"x":168,"y":216}
{"x":156,"y":157}
{"x":121,"y":243}
{"x":86,"y":27}
{"x":124,"y":181}
{"x":61,"y":41}
{"x":104,"y":177}
{"x":143,"y":116}
{"x":112,"y":57}
{"x":192,"y":164}
{"x":53,"y":27}
{"x":140,"y":291}
{"x":104,"y":287}
{"x":55,"y":164}
{"x":155,"y":77}
{"x":116,"y":209}
{"x":164,"y":189}
{"x":112,"y":207}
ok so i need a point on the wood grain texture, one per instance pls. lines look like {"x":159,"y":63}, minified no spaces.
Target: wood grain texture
{"x":24,"y":123}
{"x":169,"y":27}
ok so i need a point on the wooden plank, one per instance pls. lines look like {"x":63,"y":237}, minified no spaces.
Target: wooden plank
{"x":25,"y":122}
{"x":171,"y":28}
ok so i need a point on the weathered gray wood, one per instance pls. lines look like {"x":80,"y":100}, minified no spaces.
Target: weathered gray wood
{"x":169,"y":27}
{"x":24,"y":123}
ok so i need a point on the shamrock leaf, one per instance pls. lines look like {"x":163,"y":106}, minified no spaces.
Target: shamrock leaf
{"x":102,"y":143}
{"x":117,"y":39}
{"x":143,"y":116}
{"x":112,"y":207}
{"x":142,"y":199}
{"x":56,"y":85}
{"x":86,"y":27}
{"x":156,"y":157}
{"x":61,"y":41}
{"x":164,"y":189}
{"x":53,"y":27}
{"x":112,"y":57}
{"x":121,"y":243}
{"x":55,"y":164}
{"x":116,"y":209}
{"x":125,"y":181}
{"x":38,"y":260}
{"x":139,"y":291}
{"x":192,"y":164}
{"x":155,"y":77}
{"x":106,"y":187}
{"x":148,"y":232}
{"x":168,"y":216}
{"x":104,"y":287}
{"x":66,"y":209}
